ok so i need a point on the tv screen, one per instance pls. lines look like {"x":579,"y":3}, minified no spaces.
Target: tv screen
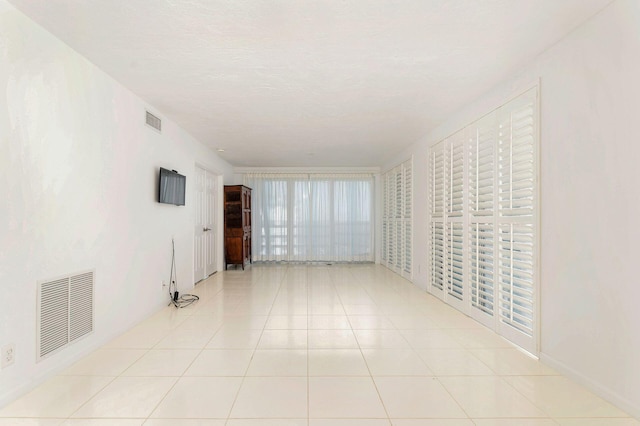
{"x":172,"y":187}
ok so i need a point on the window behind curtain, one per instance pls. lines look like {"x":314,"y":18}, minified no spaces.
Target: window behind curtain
{"x":323,"y":218}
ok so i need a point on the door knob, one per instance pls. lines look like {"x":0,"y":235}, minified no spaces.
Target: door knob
{"x":206,"y":229}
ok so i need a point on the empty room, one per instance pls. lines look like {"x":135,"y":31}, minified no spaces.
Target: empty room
{"x":319,"y":213}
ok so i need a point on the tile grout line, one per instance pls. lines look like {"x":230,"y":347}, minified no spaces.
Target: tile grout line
{"x":235,"y":399}
{"x":146,"y":351}
{"x":114,"y":378}
{"x":384,"y":407}
{"x":184,"y":371}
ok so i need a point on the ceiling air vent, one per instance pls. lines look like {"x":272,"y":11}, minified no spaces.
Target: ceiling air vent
{"x":65,"y":312}
{"x":154,"y":121}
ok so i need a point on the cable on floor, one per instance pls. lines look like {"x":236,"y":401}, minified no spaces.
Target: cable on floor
{"x":179,"y":301}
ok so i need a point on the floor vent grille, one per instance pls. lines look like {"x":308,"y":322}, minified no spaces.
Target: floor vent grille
{"x":65,"y":312}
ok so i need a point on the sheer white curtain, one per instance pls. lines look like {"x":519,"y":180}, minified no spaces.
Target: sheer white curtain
{"x":312,"y":217}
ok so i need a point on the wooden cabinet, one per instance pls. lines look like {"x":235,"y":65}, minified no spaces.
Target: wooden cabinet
{"x":237,"y":225}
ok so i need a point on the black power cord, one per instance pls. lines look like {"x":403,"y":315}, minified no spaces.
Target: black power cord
{"x":177,"y":300}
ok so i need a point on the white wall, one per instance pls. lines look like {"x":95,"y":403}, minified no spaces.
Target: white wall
{"x":591,"y":202}
{"x":78,"y":172}
{"x":590,"y":199}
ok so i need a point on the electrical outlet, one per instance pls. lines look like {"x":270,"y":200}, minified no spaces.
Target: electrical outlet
{"x":8,"y":355}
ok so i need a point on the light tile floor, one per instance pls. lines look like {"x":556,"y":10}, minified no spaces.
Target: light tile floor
{"x":310,"y":346}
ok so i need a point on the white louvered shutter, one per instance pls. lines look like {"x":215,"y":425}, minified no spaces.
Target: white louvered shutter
{"x":483,"y":219}
{"x":392,"y":229}
{"x":516,"y":276}
{"x":394,"y":219}
{"x":455,"y":176}
{"x":516,"y":161}
{"x":482,"y":140}
{"x":437,"y":208}
{"x":517,"y":135}
{"x":455,"y":260}
{"x":437,"y":256}
{"x":481,"y":265}
{"x":481,"y":152}
{"x":398,"y":220}
{"x":385,"y":221}
{"x":408,"y":207}
{"x":399,"y":247}
{"x":437,"y":182}
{"x":454,"y":197}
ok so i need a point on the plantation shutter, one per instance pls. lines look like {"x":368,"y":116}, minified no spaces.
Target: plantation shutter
{"x":392,"y":228}
{"x":516,"y":276}
{"x":436,"y":196}
{"x":516,"y":230}
{"x":398,"y":219}
{"x":455,"y":176}
{"x":481,"y":151}
{"x":407,"y":173}
{"x":481,"y":267}
{"x":483,"y":213}
{"x":384,"y":252}
{"x":455,"y":259}
{"x":454,"y":197}
{"x":437,"y":206}
{"x":396,"y":223}
{"x":516,"y":160}
{"x":482,"y":140}
{"x":437,"y":257}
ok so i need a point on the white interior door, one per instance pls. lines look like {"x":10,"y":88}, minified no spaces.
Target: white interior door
{"x":205,"y":231}
{"x":199,"y":252}
{"x":209,"y":228}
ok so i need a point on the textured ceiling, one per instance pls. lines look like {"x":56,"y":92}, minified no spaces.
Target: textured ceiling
{"x":309,"y":83}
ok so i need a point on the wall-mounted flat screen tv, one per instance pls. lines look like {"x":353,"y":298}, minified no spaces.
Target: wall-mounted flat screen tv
{"x":172,"y":187}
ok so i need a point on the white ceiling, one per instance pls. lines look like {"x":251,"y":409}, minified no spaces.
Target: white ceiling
{"x":309,"y":82}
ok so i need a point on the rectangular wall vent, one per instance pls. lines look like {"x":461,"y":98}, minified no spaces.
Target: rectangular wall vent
{"x":154,"y":121}
{"x":65,"y":312}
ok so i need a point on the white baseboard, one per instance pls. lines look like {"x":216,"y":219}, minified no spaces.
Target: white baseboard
{"x":595,"y":387}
